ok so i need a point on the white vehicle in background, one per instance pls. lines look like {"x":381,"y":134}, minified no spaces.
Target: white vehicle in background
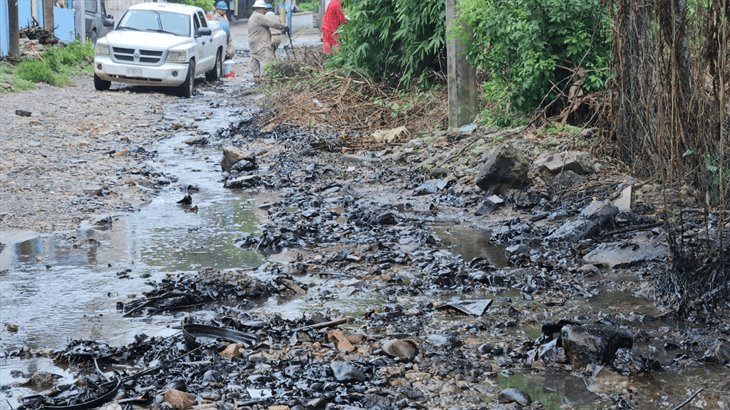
{"x":161,"y":45}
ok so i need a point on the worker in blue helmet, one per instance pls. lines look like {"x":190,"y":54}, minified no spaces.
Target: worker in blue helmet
{"x":221,"y":8}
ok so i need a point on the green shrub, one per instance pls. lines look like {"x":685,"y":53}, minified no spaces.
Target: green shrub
{"x":396,"y":41}
{"x":57,"y":64}
{"x":206,"y":5}
{"x":527,"y":46}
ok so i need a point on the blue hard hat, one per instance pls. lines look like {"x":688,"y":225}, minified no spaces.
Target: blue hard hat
{"x":269,"y":6}
{"x":221,"y":5}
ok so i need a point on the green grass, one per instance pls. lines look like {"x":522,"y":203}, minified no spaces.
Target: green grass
{"x":8,"y":77}
{"x":55,"y":66}
{"x":309,"y":6}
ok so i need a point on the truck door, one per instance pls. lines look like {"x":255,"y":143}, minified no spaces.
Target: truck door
{"x":208,"y":57}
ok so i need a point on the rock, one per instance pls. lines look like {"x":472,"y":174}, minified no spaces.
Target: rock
{"x":179,"y":399}
{"x":23,"y":113}
{"x":719,"y":352}
{"x":279,"y":408}
{"x":387,"y":218}
{"x":232,"y":155}
{"x":594,"y":216}
{"x":232,"y":351}
{"x":606,"y":381}
{"x":11,"y":327}
{"x":437,"y":173}
{"x":400,"y":348}
{"x":346,"y":372}
{"x":576,"y":161}
{"x":622,"y":254}
{"x":196,"y":140}
{"x":432,"y":186}
{"x":490,"y":204}
{"x":588,"y":344}
{"x":567,"y":179}
{"x":551,"y":353}
{"x":43,"y":380}
{"x":629,"y":363}
{"x":504,"y":167}
{"x":515,"y":396}
{"x":244,"y":165}
{"x":244,"y":181}
{"x":316,"y":404}
{"x":599,"y":212}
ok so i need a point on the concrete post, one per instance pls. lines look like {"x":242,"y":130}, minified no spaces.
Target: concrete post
{"x":48,"y":22}
{"x":80,"y":19}
{"x":462,"y":78}
{"x":14,"y":28}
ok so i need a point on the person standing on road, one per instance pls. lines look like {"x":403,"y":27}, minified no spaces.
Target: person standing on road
{"x":275,"y":34}
{"x":221,"y":9}
{"x":259,"y":37}
{"x":334,"y":17}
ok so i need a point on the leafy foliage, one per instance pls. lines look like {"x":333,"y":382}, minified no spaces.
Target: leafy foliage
{"x":57,"y":64}
{"x":527,"y":46}
{"x":396,"y":41}
{"x":206,"y":5}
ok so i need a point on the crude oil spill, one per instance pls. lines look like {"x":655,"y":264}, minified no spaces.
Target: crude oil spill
{"x":471,"y":243}
{"x":66,"y":286}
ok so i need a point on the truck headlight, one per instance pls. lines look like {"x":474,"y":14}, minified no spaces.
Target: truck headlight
{"x":177,"y":56}
{"x":101,"y":49}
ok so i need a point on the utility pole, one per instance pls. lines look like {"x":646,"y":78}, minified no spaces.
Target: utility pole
{"x":80,"y":19}
{"x":14,"y":28}
{"x":48,"y":22}
{"x":462,"y":78}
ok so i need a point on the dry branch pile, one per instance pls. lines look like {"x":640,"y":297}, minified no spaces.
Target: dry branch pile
{"x":306,"y":94}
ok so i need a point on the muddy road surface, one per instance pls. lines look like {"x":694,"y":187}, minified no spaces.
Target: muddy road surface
{"x":169,"y":253}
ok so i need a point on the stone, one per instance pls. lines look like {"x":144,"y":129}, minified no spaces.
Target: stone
{"x":244,"y":181}
{"x":589,"y":344}
{"x":233,"y":351}
{"x":179,"y":399}
{"x":606,"y":381}
{"x":11,"y":327}
{"x":400,"y":348}
{"x":515,"y":396}
{"x":490,"y":204}
{"x":579,"y":162}
{"x":504,"y":167}
{"x":567,"y":179}
{"x":599,"y":211}
{"x":346,"y":372}
{"x":719,"y":352}
{"x":232,"y":155}
{"x":244,"y":165}
{"x":432,"y":186}
{"x":196,"y":140}
{"x":320,"y":403}
{"x":622,"y":254}
{"x":629,"y":363}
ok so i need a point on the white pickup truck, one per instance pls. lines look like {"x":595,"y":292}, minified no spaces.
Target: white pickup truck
{"x":162,"y":45}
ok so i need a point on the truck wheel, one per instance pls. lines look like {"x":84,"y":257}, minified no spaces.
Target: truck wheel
{"x":186,"y":89}
{"x":101,"y":85}
{"x":93,"y":36}
{"x":217,"y":72}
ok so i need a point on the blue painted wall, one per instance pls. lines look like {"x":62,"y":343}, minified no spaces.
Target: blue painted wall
{"x":4,"y":29}
{"x":65,"y":24}
{"x":25,"y":16}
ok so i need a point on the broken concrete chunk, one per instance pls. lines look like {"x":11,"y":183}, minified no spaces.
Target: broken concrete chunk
{"x":504,"y":168}
{"x":577,"y":161}
{"x":622,"y":254}
{"x":232,"y":155}
{"x":589,"y":344}
{"x":400,"y":348}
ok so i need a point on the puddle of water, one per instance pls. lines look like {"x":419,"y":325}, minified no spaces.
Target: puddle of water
{"x":471,"y":243}
{"x":15,"y":374}
{"x":555,"y":391}
{"x":61,"y":287}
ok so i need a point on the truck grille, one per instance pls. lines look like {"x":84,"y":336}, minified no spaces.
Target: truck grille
{"x":150,"y":57}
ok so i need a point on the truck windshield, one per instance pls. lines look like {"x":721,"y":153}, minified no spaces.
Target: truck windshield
{"x":159,"y":21}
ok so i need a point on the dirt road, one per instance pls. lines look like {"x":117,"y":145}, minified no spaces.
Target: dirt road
{"x":77,"y":156}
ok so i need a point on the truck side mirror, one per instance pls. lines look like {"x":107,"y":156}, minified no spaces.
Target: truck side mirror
{"x":108,"y":21}
{"x":204,"y":31}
